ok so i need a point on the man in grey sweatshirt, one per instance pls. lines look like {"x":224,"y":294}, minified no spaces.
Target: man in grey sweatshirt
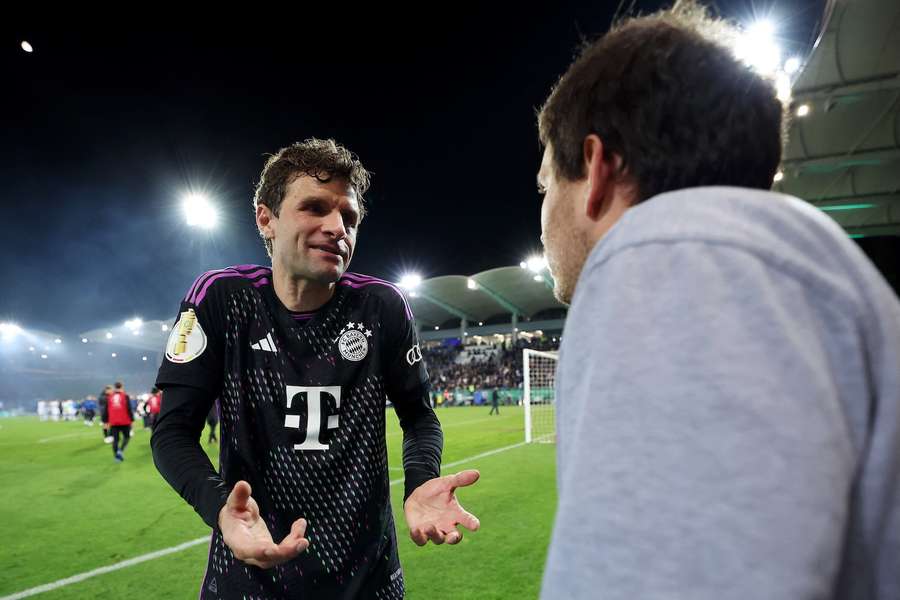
{"x":728,"y":390}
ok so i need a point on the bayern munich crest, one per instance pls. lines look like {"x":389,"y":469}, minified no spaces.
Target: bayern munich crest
{"x":353,"y":341}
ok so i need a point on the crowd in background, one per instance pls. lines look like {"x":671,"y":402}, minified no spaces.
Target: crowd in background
{"x":458,"y":372}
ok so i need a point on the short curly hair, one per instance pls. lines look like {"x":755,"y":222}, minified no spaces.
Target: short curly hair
{"x":323,"y":159}
{"x":666,"y":94}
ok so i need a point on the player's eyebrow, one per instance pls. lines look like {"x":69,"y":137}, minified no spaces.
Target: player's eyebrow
{"x":313,"y":199}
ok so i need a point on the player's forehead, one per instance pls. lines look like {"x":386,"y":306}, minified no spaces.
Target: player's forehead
{"x":336,"y":190}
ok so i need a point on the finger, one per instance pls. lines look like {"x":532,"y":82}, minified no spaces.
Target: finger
{"x":275,"y":555}
{"x":464,"y":478}
{"x":259,"y":554}
{"x":294,"y":543}
{"x":435,"y":536}
{"x":298,"y":529}
{"x":454,"y":537}
{"x":418,"y":536}
{"x":257,"y":563}
{"x":468,"y":520}
{"x":239,"y":496}
{"x":288,"y":549}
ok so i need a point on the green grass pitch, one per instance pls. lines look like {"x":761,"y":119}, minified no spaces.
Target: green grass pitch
{"x":68,"y":508}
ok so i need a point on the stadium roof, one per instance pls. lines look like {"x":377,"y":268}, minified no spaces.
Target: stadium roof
{"x":844,"y":155}
{"x":503,"y":291}
{"x":498,"y":294}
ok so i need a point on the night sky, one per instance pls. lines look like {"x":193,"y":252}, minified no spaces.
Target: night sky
{"x":111,"y":120}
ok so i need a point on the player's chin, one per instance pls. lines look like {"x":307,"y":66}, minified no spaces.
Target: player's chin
{"x":330,"y":273}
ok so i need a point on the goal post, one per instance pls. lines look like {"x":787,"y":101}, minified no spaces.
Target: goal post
{"x":539,"y":397}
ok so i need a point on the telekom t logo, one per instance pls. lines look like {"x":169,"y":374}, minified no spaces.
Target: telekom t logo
{"x":314,"y":401}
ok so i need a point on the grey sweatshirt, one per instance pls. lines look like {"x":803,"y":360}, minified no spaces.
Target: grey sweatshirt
{"x":728,"y":409}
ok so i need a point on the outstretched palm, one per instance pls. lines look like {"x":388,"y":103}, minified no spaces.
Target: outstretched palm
{"x":433,"y":511}
{"x":248,"y":536}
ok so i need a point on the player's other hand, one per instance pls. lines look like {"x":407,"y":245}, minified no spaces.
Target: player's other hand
{"x":247,"y":535}
{"x":433,"y":512}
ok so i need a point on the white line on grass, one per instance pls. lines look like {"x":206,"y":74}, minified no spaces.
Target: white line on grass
{"x":465,"y":460}
{"x":145,"y":557}
{"x":459,"y":462}
{"x":68,"y":435}
{"x":57,"y":438}
{"x":108,"y":569}
{"x":52,"y":438}
{"x":455,"y":424}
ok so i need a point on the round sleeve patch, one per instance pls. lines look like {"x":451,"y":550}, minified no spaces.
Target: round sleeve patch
{"x":187,"y":340}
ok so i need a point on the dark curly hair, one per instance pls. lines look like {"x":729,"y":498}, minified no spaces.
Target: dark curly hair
{"x":667,"y":95}
{"x":323,"y":159}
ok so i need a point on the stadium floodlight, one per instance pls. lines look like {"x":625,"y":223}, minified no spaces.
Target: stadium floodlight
{"x":27,"y":47}
{"x":803,"y":110}
{"x":538,"y":278}
{"x":536,"y":263}
{"x":84,"y":340}
{"x":756,"y":46}
{"x":9,"y":330}
{"x":436,"y":328}
{"x":779,"y":175}
{"x":480,"y":323}
{"x":792,"y":65}
{"x":113,"y":354}
{"x":199,"y":211}
{"x":144,"y":358}
{"x":108,"y":335}
{"x":523,"y":264}
{"x":134,"y":323}
{"x":410,"y":281}
{"x":57,"y":341}
{"x":43,"y":356}
{"x":471,"y":284}
{"x":31,"y":348}
{"x":165,"y":327}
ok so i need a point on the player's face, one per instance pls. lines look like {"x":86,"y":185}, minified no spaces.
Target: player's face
{"x":314,"y":234}
{"x":566,"y":242}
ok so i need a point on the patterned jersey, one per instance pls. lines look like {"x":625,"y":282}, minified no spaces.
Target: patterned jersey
{"x":302,"y":399}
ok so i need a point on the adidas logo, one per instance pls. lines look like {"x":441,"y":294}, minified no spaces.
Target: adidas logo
{"x":267,"y":344}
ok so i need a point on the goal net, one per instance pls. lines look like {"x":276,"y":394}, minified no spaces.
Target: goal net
{"x":539,"y":371}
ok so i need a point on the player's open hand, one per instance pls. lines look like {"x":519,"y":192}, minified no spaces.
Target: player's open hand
{"x":247,"y":535}
{"x":433,"y":512}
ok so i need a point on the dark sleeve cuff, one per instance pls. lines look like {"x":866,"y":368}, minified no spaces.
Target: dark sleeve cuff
{"x":413,"y":478}
{"x":211,"y":502}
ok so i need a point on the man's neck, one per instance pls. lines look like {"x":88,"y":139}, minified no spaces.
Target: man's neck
{"x":300,"y":294}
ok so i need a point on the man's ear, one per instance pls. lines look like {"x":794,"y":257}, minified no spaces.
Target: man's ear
{"x":601,"y":173}
{"x":264,"y":218}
